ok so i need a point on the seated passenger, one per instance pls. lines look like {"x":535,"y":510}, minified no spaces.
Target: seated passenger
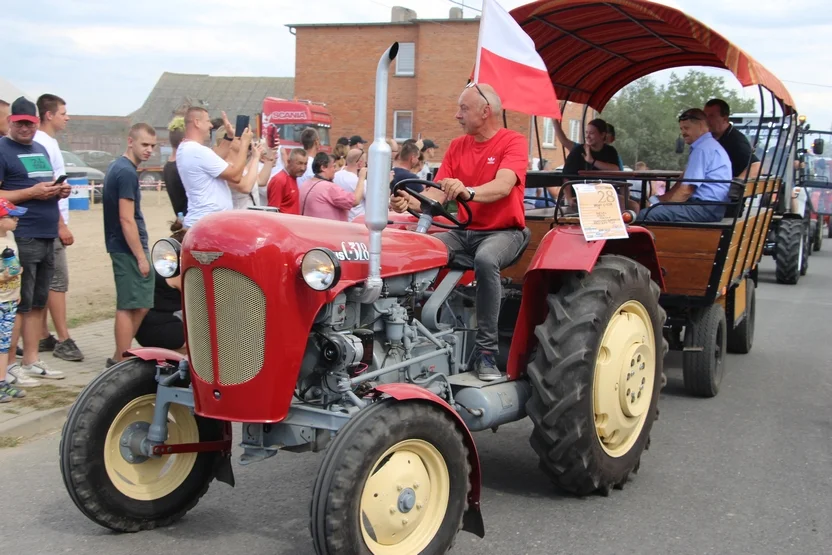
{"x":732,"y":140}
{"x":162,"y":325}
{"x":707,"y":160}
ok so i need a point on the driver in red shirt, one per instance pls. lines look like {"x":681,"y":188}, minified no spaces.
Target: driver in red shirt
{"x":487,"y":168}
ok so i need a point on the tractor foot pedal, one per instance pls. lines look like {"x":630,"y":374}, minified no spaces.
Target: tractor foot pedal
{"x":256,"y":454}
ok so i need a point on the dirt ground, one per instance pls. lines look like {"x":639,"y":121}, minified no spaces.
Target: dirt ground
{"x":92,"y":294}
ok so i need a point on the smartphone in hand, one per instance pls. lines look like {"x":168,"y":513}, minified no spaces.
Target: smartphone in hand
{"x":240,"y":126}
{"x":60,"y":179}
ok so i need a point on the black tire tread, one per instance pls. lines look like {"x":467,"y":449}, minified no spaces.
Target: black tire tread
{"x":699,"y":369}
{"x":562,"y":371}
{"x":76,"y":439}
{"x":787,"y":251}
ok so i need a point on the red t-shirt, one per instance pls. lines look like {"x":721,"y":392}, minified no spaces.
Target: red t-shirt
{"x":476,"y":164}
{"x":283,"y":193}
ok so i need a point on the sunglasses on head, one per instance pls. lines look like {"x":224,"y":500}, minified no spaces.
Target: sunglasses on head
{"x":686,"y":117}
{"x":479,"y":90}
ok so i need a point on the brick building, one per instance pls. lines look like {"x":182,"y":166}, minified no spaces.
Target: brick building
{"x":434,"y":62}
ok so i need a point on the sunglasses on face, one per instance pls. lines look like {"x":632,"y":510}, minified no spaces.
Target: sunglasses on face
{"x":479,"y":90}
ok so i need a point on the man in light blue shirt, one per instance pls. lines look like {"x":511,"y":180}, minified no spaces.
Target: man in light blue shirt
{"x":707,"y":161}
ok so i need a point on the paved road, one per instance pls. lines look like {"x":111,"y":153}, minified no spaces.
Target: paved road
{"x":749,"y":472}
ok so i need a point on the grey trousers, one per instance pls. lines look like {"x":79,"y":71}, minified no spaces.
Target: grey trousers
{"x":486,"y":252}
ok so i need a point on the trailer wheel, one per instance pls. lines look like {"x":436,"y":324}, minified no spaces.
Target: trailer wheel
{"x":788,"y":251}
{"x":741,"y":337}
{"x":703,"y":362}
{"x":143,"y":493}
{"x":394,"y":480}
{"x":596,"y":376}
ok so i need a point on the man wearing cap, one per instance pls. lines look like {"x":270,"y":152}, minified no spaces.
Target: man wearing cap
{"x":428,"y":152}
{"x":26,"y":179}
{"x":357,"y":142}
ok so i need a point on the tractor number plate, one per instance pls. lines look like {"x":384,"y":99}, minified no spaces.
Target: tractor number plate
{"x":353,"y":251}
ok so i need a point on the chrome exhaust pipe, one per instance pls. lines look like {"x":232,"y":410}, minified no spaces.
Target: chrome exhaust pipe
{"x":378,"y":169}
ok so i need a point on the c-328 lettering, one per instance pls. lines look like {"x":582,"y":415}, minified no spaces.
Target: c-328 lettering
{"x":353,"y":251}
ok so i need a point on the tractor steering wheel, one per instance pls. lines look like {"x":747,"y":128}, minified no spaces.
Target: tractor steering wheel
{"x":430,"y":207}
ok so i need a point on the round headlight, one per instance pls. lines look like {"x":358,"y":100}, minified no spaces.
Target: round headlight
{"x":320,"y":269}
{"x":165,"y":257}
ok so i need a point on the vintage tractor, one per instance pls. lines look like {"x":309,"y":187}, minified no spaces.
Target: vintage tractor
{"x":355,"y":338}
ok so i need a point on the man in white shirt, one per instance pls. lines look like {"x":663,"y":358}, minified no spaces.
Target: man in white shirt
{"x":311,"y":143}
{"x":347,"y":178}
{"x":53,"y":120}
{"x":204,"y":173}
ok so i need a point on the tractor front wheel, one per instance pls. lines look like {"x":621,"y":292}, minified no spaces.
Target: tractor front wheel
{"x":394,"y":481}
{"x":817,"y":235}
{"x":114,"y":486}
{"x":596,"y":376}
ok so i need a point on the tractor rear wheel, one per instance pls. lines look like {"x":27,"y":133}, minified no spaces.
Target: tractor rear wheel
{"x":703,"y":362}
{"x":114,"y":487}
{"x":788,"y":251}
{"x":741,"y":336}
{"x":394,"y":481}
{"x":807,"y":251}
{"x":596,"y":376}
{"x":817,"y":235}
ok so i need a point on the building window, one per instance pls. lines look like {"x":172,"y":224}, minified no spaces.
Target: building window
{"x":575,"y":130}
{"x":403,"y":125}
{"x":548,"y":133}
{"x":406,"y":59}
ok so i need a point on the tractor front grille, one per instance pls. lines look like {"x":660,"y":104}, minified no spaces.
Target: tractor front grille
{"x":240,"y":308}
{"x":196,"y":319}
{"x":240,"y":316}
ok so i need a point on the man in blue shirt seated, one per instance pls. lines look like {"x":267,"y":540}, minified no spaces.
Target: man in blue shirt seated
{"x":708,"y":160}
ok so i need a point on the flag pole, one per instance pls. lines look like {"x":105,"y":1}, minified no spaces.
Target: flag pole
{"x":479,"y":42}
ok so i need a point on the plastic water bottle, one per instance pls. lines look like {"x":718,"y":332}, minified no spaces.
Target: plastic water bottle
{"x":11,"y":262}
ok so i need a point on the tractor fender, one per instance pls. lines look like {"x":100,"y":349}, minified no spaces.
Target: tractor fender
{"x":472,"y":519}
{"x":156,"y":354}
{"x":564,"y":249}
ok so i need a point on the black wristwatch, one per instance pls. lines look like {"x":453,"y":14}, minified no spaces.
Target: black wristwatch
{"x":227,"y":138}
{"x":471,"y":192}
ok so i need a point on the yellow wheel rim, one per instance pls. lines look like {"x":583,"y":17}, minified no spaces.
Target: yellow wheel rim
{"x":405,"y":499}
{"x":155,"y":477}
{"x":625,"y":372}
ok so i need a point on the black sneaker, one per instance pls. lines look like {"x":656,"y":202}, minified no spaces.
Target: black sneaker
{"x":68,"y":350}
{"x":486,"y":367}
{"x":48,"y":344}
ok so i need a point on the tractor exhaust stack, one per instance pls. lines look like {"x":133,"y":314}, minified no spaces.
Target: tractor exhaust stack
{"x":378,"y":168}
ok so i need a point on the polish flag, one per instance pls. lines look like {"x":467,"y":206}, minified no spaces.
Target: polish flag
{"x":508,"y":61}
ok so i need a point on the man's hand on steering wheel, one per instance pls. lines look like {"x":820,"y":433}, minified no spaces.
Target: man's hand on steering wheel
{"x":426,"y":205}
{"x":454,"y":189}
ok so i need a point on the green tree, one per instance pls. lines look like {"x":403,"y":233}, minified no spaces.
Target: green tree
{"x":645,"y":115}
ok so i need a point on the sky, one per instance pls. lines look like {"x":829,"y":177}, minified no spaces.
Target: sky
{"x":104,"y":56}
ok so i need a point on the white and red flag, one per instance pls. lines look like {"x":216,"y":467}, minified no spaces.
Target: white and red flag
{"x":508,"y":61}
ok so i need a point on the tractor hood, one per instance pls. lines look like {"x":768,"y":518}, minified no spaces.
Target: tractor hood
{"x":273,"y":244}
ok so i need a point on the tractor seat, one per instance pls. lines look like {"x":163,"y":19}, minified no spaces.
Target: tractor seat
{"x":462,"y":261}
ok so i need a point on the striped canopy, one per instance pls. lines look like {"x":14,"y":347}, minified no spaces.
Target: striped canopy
{"x":594,"y":49}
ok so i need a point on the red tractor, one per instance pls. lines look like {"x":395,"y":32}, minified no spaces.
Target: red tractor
{"x":355,"y":338}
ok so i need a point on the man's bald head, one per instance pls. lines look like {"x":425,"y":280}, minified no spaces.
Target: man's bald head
{"x":479,"y":109}
{"x":354,"y":156}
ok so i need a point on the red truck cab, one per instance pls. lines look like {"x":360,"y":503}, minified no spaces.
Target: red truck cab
{"x":291,"y":117}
